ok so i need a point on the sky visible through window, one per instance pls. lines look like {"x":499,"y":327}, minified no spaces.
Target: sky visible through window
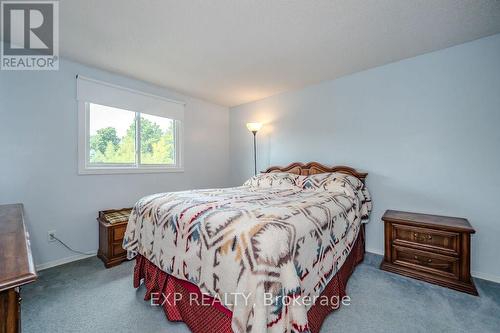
{"x":103,"y":116}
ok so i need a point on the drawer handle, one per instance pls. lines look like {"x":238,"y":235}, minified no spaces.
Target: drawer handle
{"x":415,"y":237}
{"x":428,"y":260}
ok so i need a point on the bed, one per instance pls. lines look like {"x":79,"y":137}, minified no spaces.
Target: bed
{"x":273,"y":255}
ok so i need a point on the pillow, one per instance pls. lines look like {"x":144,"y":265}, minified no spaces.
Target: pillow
{"x":340,"y":182}
{"x":274,"y":180}
{"x":332,"y":181}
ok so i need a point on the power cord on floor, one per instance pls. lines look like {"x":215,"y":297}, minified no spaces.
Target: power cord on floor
{"x":71,"y":249}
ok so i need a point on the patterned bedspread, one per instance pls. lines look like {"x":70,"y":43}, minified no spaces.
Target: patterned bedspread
{"x":251,"y":247}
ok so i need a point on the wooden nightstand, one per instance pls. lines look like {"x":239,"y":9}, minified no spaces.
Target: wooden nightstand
{"x":111,"y":235}
{"x":431,"y":248}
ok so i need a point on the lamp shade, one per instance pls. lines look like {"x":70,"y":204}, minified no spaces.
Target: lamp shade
{"x":254,"y":127}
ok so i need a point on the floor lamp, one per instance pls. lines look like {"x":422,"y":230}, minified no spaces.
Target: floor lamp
{"x":254,"y":128}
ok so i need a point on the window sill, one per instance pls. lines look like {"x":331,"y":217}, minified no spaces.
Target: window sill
{"x":124,"y":170}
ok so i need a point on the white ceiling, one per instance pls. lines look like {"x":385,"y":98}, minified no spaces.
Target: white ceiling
{"x":236,"y":51}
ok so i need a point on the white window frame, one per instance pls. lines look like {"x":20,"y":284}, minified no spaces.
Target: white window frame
{"x":87,"y":168}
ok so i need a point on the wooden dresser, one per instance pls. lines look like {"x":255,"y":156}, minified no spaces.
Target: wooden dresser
{"x":111,"y":251}
{"x":16,"y":266}
{"x":432,"y":248}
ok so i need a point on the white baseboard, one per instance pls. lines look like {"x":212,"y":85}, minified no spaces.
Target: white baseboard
{"x":486,"y":276}
{"x":479,"y":275}
{"x":374,"y":251}
{"x":63,"y":261}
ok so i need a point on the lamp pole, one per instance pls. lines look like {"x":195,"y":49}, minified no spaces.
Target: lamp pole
{"x":254,"y":128}
{"x":254,"y":153}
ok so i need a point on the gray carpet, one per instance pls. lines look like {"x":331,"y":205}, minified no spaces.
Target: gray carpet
{"x":85,"y":297}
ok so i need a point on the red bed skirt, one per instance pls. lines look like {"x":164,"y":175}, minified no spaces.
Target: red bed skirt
{"x":214,"y":318}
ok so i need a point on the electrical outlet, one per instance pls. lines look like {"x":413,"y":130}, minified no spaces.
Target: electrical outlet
{"x":50,"y":236}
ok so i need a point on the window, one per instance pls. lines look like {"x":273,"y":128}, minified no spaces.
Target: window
{"x":113,"y":137}
{"x":123,"y":131}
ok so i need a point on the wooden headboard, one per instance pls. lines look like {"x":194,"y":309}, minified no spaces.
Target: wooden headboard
{"x":312,"y":168}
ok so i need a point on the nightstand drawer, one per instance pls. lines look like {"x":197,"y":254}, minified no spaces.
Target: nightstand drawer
{"x":426,"y":261}
{"x":118,"y":233}
{"x":118,"y":249}
{"x":426,"y":239}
